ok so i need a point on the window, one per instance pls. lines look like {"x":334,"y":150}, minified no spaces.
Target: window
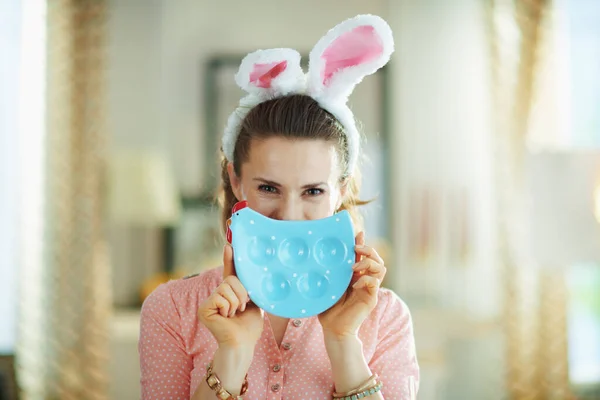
{"x":583,"y":40}
{"x":9,"y":65}
{"x":22,"y":79}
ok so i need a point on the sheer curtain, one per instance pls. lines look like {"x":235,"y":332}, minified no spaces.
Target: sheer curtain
{"x":62,"y":348}
{"x":530,"y":110}
{"x":444,"y":266}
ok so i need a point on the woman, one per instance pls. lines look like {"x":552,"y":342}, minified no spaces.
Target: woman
{"x":290,"y":151}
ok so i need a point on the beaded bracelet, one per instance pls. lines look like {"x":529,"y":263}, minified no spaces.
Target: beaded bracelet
{"x":362,"y":389}
{"x":366,"y":384}
{"x":365,"y":393}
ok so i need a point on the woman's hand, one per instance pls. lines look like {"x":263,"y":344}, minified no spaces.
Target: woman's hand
{"x":228,"y":313}
{"x":236,"y":323}
{"x":345,"y":317}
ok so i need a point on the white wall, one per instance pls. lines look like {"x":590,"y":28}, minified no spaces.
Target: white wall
{"x":135,"y":101}
{"x":134,"y":75}
{"x":442,"y":98}
{"x":442,"y":125}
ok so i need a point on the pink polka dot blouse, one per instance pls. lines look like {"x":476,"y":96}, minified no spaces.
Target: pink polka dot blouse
{"x":175,"y":348}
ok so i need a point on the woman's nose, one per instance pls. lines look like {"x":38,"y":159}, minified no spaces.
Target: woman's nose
{"x":290,"y":210}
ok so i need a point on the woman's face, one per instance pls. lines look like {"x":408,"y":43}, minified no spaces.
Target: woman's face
{"x":290,"y":179}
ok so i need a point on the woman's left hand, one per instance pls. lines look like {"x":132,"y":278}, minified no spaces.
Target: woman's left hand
{"x":346,"y":316}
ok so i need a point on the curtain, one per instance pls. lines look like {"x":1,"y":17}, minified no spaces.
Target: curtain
{"x":534,"y":318}
{"x":65,"y":294}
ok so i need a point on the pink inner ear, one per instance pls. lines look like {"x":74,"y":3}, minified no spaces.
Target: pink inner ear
{"x":359,"y":46}
{"x":263,"y":74}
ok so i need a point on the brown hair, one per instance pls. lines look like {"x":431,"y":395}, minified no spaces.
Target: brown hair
{"x":295,"y":117}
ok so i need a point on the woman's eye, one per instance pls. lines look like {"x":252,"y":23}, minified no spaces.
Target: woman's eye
{"x":267,"y":188}
{"x":314,"y":191}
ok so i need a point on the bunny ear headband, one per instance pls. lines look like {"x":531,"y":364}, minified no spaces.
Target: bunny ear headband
{"x":339,"y":61}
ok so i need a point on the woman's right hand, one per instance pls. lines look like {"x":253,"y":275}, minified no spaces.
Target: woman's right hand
{"x":228,"y":312}
{"x":236,"y":323}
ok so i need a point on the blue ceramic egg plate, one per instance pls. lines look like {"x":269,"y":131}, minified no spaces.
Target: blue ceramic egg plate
{"x":292,"y":269}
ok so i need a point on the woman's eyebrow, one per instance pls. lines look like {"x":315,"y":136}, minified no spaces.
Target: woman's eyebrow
{"x":311,"y":185}
{"x":275,"y":184}
{"x":267,"y":182}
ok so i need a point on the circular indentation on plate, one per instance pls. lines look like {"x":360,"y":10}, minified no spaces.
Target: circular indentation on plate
{"x":273,"y":237}
{"x":337,"y":220}
{"x":330,"y":252}
{"x":313,"y":285}
{"x":293,"y":252}
{"x":275,"y":287}
{"x":310,"y":232}
{"x":251,"y":222}
{"x":260,"y":251}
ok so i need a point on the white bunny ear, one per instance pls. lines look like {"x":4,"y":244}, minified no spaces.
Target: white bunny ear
{"x":271,"y":73}
{"x":265,"y":75}
{"x":346,"y":54}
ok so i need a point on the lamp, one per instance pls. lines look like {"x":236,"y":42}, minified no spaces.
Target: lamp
{"x":142,"y":190}
{"x":142,"y":198}
{"x":564,"y":207}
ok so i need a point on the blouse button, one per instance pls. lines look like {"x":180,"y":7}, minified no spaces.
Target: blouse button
{"x":287,"y":346}
{"x":297,"y":323}
{"x":276,"y":387}
{"x":276,"y":368}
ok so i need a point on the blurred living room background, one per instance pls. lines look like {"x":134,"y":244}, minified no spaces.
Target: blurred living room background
{"x":483,"y":153}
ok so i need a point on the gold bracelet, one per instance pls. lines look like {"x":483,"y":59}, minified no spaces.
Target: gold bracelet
{"x":214,"y":383}
{"x":369,"y":383}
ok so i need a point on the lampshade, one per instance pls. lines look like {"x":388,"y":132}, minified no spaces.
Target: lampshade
{"x":562,"y":208}
{"x":142,"y":189}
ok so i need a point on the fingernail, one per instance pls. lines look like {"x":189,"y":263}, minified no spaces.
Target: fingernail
{"x":243,"y":308}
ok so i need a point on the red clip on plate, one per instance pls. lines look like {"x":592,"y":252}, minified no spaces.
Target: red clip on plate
{"x":237,"y":207}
